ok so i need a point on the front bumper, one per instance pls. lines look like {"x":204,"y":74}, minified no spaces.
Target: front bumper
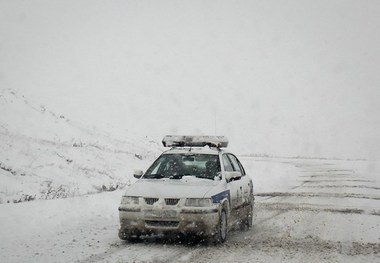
{"x":196,"y":220}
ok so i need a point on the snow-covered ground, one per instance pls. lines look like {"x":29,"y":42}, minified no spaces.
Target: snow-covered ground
{"x":306,"y":211}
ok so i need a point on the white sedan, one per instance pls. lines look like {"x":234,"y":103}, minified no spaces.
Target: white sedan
{"x":196,"y":187}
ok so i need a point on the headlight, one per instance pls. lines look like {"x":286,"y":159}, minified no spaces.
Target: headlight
{"x":130,"y":200}
{"x":198,"y":202}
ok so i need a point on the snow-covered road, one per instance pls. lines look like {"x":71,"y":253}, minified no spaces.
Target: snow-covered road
{"x":307,"y":210}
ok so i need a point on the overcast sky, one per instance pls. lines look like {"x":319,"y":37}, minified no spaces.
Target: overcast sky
{"x":283,"y":77}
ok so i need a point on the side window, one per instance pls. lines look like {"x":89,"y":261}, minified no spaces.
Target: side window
{"x":227,"y":164}
{"x":236,"y":164}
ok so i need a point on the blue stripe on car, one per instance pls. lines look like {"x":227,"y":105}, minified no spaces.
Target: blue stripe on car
{"x":219,"y":197}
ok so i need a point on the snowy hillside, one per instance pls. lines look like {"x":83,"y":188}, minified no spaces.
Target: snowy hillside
{"x":44,"y":155}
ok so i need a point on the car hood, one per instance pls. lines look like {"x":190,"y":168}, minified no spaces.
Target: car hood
{"x":171,"y":188}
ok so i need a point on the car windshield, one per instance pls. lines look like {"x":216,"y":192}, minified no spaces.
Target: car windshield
{"x":175,"y":166}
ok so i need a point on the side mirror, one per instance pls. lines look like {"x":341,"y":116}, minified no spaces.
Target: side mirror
{"x":232,"y":176}
{"x":138,"y":173}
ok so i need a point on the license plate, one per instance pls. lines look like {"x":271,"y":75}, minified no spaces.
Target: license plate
{"x":160,"y":213}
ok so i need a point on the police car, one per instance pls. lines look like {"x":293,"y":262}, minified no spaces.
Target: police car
{"x":196,"y":187}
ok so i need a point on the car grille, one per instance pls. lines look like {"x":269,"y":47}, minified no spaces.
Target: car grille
{"x":150,"y":201}
{"x":153,"y":223}
{"x":168,"y":201}
{"x":171,"y":201}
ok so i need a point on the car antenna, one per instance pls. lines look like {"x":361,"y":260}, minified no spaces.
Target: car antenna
{"x":215,"y":122}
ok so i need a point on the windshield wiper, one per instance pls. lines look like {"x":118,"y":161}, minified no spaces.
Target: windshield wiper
{"x":176,"y":176}
{"x":205,"y":177}
{"x":154,"y":176}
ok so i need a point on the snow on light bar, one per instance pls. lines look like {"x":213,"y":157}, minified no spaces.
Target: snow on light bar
{"x":194,"y":141}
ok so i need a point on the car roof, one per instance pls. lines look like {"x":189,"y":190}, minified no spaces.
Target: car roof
{"x":195,"y":150}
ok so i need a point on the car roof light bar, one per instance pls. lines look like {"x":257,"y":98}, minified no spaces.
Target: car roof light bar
{"x":194,"y":141}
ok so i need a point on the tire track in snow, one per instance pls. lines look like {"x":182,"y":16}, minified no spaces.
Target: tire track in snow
{"x":314,"y":208}
{"x":341,"y":186}
{"x":310,"y":194}
{"x":310,"y":243}
{"x":336,"y":180}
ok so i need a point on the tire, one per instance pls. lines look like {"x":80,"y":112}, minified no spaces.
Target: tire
{"x":246,"y":221}
{"x":249,"y":217}
{"x":222,"y":228}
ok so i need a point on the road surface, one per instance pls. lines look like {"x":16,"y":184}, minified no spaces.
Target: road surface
{"x":306,"y":210}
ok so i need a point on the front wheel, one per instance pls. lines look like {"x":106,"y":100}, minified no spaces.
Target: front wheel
{"x":249,"y":216}
{"x":222,"y":228}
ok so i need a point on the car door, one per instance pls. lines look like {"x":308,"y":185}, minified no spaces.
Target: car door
{"x":233,"y":186}
{"x":245,"y":183}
